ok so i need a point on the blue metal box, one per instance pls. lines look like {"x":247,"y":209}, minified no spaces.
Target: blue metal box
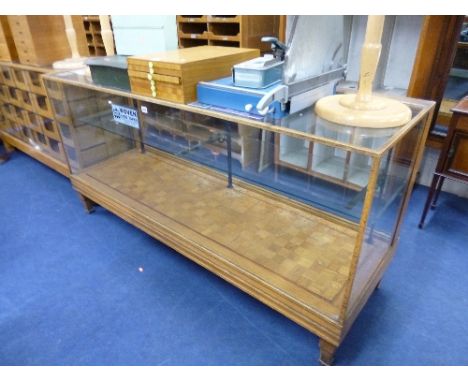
{"x":223,"y":94}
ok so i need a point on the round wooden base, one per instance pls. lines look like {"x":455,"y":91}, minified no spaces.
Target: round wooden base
{"x":377,"y":113}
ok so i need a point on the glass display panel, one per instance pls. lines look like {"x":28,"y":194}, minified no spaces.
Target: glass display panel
{"x":396,"y":167}
{"x":333,"y":179}
{"x":89,"y":130}
{"x":294,"y":167}
{"x":303,"y":118}
{"x":196,"y":137}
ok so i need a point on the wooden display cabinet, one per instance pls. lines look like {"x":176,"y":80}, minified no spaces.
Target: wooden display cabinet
{"x":28,"y":123}
{"x":437,"y":48}
{"x":310,"y":248}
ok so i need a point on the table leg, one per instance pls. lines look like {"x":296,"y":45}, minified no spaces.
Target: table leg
{"x":437,"y":193}
{"x":430,"y":195}
{"x":8,"y":148}
{"x":327,"y":352}
{"x":88,"y":204}
{"x":378,"y":285}
{"x":6,"y":155}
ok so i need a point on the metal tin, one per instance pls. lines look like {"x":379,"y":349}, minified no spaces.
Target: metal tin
{"x":258,"y":73}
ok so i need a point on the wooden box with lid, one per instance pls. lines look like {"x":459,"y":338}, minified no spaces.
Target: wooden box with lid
{"x":173,"y":75}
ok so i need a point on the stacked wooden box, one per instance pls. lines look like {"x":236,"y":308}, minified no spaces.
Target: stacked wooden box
{"x":173,"y":75}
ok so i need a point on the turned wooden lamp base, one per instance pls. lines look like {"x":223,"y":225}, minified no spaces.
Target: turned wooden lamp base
{"x":376,"y":113}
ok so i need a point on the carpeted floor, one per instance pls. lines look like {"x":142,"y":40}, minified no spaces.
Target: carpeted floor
{"x":78,"y":289}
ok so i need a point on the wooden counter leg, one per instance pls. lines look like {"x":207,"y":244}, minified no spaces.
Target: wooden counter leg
{"x":378,"y":285}
{"x":88,"y":204}
{"x":6,"y":155}
{"x":327,"y":352}
{"x":8,"y":148}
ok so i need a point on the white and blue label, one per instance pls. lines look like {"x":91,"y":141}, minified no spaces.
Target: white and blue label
{"x":125,"y":115}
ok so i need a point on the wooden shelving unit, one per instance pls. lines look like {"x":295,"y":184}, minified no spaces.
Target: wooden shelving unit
{"x":28,"y":123}
{"x":90,"y":28}
{"x":224,"y":30}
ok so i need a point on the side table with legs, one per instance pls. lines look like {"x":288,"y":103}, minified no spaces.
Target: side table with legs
{"x":453,"y":160}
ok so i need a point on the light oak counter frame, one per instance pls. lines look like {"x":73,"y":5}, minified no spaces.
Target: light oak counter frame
{"x":310,"y":265}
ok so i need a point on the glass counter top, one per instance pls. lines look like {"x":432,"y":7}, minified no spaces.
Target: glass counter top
{"x":303,"y":124}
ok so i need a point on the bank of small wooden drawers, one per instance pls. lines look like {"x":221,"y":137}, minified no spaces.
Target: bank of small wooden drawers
{"x":26,"y":109}
{"x":40,"y":40}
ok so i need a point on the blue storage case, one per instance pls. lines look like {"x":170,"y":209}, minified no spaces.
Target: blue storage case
{"x":223,"y":94}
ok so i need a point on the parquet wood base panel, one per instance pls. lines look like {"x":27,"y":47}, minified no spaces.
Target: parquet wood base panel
{"x":285,"y":254}
{"x":299,"y":250}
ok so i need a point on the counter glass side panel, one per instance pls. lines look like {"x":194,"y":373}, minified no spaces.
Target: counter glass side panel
{"x":396,"y":167}
{"x":94,"y":126}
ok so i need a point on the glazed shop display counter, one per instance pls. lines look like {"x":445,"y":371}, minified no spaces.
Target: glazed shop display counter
{"x":301,"y":215}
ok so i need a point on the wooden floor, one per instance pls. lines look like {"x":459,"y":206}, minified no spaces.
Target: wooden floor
{"x":304,"y":255}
